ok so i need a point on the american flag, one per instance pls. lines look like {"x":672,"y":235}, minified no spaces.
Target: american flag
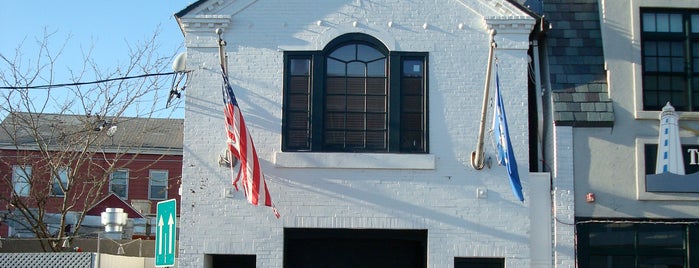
{"x":501,"y":134}
{"x":241,"y":147}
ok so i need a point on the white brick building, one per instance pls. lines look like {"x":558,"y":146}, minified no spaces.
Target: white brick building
{"x":397,"y":195}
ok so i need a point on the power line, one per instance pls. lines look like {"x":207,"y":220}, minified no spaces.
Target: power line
{"x":88,"y":83}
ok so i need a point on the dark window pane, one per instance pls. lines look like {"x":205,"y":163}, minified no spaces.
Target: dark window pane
{"x":336,"y":68}
{"x":334,"y":138}
{"x":612,"y":235}
{"x":298,"y":120}
{"x":298,"y":139}
{"x":376,"y":104}
{"x":376,"y":140}
{"x":412,"y":104}
{"x":335,"y":103}
{"x":345,"y":53}
{"x":412,"y":68}
{"x":412,"y":141}
{"x":356,"y":85}
{"x":355,"y":121}
{"x":650,"y":48}
{"x":376,"y":68}
{"x":298,"y":102}
{"x":665,"y":236}
{"x":366,"y":53}
{"x":356,"y":104}
{"x":412,"y":86}
{"x":604,"y":261}
{"x":336,"y":85}
{"x":356,"y":69}
{"x":376,"y":86}
{"x":334,"y":121}
{"x":355,"y":139}
{"x":376,"y":122}
{"x":662,"y":23}
{"x":300,"y":67}
{"x":676,"y":23}
{"x":650,"y":64}
{"x":649,"y":22}
{"x":660,"y":262}
{"x":299,"y":85}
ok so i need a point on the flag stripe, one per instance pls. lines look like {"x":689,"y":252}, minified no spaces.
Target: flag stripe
{"x":501,"y":134}
{"x":241,"y":147}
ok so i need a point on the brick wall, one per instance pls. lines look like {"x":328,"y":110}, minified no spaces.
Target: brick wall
{"x":441,"y":199}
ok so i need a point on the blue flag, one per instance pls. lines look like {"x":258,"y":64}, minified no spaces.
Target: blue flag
{"x":505,"y":155}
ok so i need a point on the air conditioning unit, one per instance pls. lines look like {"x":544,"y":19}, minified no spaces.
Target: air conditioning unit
{"x":142,"y":206}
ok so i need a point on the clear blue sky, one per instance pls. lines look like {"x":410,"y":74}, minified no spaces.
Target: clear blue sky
{"x":108,"y":26}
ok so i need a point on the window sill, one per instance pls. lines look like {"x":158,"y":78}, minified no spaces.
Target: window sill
{"x":354,"y":160}
{"x":655,"y":115}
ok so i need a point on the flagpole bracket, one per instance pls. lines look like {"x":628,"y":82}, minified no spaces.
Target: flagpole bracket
{"x":474,"y":161}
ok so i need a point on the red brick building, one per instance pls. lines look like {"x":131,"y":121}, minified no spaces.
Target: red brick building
{"x":59,"y":163}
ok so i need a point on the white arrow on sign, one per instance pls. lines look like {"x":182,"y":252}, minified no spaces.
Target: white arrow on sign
{"x":170,"y":222}
{"x":160,"y":235}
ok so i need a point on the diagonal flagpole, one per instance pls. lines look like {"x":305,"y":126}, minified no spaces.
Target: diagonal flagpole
{"x":478,"y":155}
{"x":240,"y":144}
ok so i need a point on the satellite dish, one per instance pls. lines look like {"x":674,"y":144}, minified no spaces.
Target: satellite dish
{"x":111,"y":130}
{"x":180,"y":68}
{"x":180,"y":63}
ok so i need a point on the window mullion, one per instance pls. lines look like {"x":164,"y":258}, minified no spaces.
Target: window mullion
{"x":317,"y":102}
{"x":394,"y":100}
{"x":686,"y":19}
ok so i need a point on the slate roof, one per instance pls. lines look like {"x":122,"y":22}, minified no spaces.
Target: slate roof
{"x":576,"y":64}
{"x":147,"y":134}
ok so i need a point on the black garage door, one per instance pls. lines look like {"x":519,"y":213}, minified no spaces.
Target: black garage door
{"x":349,"y":248}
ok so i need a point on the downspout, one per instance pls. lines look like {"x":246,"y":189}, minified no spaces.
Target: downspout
{"x":539,"y":105}
{"x":478,"y":155}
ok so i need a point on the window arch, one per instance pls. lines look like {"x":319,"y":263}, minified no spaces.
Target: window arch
{"x":355,"y":96}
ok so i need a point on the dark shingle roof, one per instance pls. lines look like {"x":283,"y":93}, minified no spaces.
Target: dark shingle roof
{"x":576,"y":64}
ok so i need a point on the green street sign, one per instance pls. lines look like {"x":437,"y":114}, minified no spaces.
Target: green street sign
{"x":166,"y":233}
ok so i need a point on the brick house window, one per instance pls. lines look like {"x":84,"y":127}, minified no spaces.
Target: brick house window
{"x":119,"y":183}
{"x":157,"y":185}
{"x":670,"y":55}
{"x":21,"y":180}
{"x":355,"y":96}
{"x":59,"y":181}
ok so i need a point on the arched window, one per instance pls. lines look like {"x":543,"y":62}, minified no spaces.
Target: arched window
{"x":355,"y":96}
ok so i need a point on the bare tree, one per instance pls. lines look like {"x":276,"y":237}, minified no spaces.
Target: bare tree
{"x":68,"y":133}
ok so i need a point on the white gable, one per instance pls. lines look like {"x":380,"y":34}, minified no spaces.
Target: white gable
{"x":466,"y":212}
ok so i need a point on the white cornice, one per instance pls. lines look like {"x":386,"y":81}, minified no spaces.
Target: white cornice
{"x":205,"y":23}
{"x":510,"y":24}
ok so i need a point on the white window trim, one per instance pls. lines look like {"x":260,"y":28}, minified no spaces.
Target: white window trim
{"x":126,"y":188}
{"x":354,"y":160}
{"x":150,"y":183}
{"x":637,"y":68}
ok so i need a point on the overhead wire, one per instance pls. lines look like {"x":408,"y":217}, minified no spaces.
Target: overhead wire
{"x":86,"y":83}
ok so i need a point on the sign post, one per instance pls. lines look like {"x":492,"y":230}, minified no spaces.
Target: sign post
{"x":166,"y":233}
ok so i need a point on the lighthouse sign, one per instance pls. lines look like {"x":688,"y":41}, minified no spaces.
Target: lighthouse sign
{"x":675,"y":167}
